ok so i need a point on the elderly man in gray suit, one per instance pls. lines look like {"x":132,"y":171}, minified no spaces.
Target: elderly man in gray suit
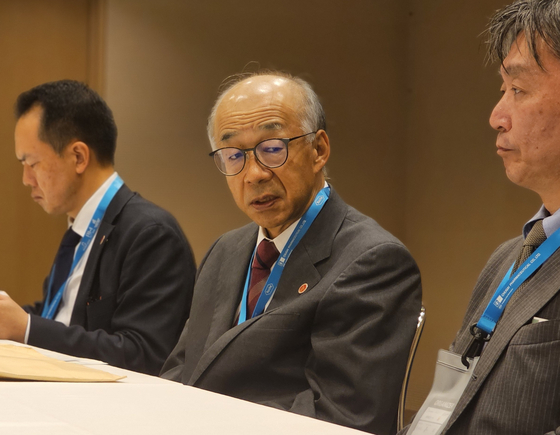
{"x":515,"y":386}
{"x":312,"y":307}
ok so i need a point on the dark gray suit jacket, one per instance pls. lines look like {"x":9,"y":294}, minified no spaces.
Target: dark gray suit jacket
{"x":336,"y":352}
{"x":135,"y":294}
{"x":515,"y":388}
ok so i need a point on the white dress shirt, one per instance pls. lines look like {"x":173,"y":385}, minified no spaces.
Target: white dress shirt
{"x":79,"y":225}
{"x":279,"y":241}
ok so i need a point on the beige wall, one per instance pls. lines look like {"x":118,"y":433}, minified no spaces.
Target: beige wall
{"x":407,"y":97}
{"x":166,"y":59}
{"x":39,"y":41}
{"x":403,"y":83}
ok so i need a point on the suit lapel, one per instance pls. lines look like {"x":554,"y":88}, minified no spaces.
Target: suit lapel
{"x":230,"y":283}
{"x":484,"y":290}
{"x":315,"y":246}
{"x":101,"y":239}
{"x":299,"y":270}
{"x":525,"y":303}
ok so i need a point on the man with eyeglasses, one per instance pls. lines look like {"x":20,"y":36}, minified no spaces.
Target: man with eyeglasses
{"x":312,"y":307}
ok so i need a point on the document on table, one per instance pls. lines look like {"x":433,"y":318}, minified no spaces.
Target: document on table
{"x":23,"y":363}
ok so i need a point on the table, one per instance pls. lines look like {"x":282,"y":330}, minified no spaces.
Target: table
{"x":140,"y":404}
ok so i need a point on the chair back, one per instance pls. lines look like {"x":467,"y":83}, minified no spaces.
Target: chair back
{"x":413,"y":347}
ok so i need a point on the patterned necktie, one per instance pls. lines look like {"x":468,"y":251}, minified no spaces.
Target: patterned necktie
{"x":63,"y":259}
{"x":534,"y":239}
{"x":265,"y":257}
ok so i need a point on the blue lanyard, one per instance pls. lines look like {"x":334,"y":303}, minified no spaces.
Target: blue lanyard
{"x":49,"y":309}
{"x":509,"y":285}
{"x":274,"y":277}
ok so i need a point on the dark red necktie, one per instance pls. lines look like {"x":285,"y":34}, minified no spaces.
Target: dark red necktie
{"x":265,"y":257}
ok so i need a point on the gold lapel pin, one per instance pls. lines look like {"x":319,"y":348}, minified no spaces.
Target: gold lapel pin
{"x":302,"y":288}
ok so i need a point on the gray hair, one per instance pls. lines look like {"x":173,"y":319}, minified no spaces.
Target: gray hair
{"x":312,"y":117}
{"x":537,"y":19}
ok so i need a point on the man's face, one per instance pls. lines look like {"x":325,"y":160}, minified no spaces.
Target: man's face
{"x":260,"y":108}
{"x":527,"y":118}
{"x":52,"y":178}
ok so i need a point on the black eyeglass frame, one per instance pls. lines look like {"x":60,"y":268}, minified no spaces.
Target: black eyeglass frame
{"x":286,"y":142}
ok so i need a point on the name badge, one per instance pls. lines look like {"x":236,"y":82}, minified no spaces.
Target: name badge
{"x":450,"y":381}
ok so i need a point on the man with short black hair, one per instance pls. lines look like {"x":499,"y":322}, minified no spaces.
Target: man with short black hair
{"x":121,"y":285}
{"x":312,"y":307}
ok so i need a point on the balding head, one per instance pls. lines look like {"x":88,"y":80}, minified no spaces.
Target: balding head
{"x":310,"y":112}
{"x":259,"y":129}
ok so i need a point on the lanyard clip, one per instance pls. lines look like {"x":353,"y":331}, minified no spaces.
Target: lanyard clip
{"x":476,"y":345}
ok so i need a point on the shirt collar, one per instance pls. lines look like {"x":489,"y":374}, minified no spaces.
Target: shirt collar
{"x":280,"y":240}
{"x":81,"y":223}
{"x":550,"y":222}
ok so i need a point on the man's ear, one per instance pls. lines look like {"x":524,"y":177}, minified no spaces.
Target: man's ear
{"x":82,"y":156}
{"x":322,"y":148}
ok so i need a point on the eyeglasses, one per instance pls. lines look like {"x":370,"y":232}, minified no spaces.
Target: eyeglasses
{"x":271,"y":153}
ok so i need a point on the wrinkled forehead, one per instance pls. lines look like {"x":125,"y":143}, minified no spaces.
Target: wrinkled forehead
{"x":258,"y":99}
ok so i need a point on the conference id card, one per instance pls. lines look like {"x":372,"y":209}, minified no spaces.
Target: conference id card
{"x":450,"y":380}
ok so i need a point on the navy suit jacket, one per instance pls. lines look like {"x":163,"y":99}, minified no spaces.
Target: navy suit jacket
{"x":135,"y":294}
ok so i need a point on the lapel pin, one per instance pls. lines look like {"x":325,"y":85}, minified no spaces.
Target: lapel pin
{"x":102,"y":240}
{"x":302,"y":288}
